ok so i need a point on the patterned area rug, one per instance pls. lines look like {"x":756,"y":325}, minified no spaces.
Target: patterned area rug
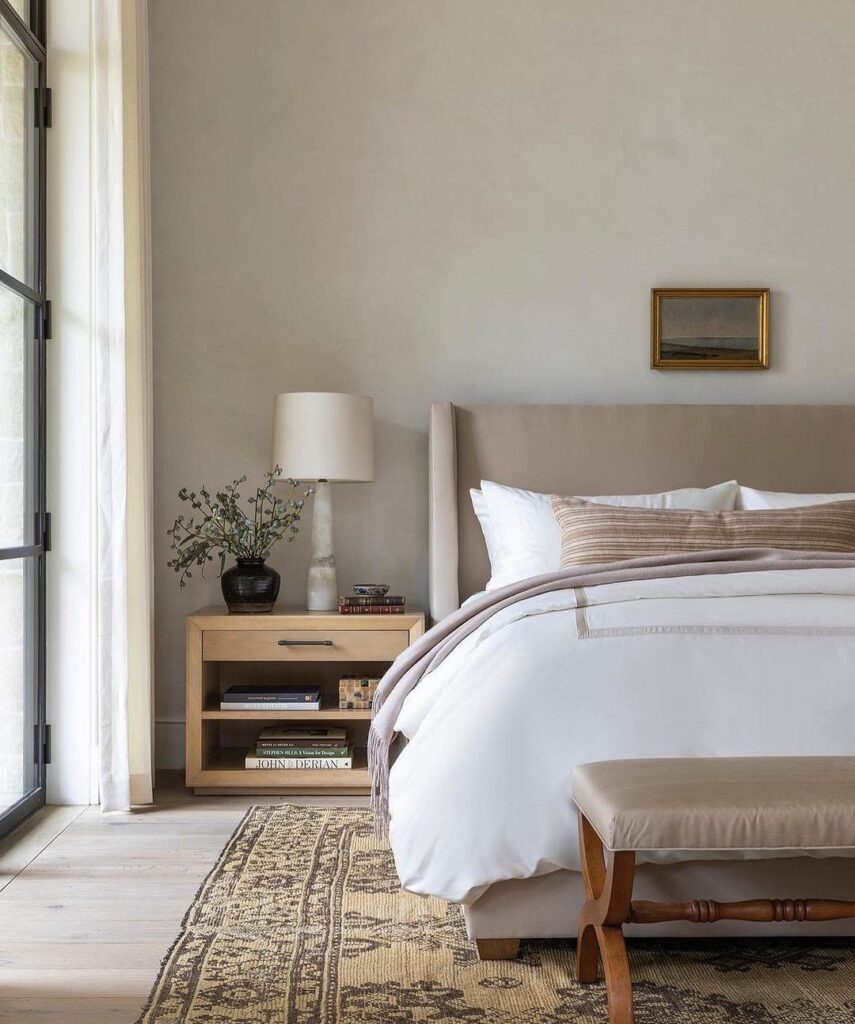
{"x":302,"y":922}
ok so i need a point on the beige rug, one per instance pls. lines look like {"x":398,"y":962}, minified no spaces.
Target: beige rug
{"x":302,"y":922}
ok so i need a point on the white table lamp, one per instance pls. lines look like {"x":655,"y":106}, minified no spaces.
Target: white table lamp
{"x":326,"y":437}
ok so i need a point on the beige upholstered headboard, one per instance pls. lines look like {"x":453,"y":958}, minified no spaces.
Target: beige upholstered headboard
{"x":616,"y":449}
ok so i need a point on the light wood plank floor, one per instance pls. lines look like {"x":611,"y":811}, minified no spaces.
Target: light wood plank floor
{"x":90,"y":903}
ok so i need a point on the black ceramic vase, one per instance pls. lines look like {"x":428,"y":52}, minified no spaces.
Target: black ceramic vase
{"x":250,"y":587}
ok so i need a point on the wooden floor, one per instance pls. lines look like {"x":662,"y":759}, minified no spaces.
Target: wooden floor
{"x":89,"y":903}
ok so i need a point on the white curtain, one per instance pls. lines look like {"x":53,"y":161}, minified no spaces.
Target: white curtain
{"x":122,"y":337}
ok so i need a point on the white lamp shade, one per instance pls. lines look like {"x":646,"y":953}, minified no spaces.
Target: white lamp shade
{"x":324,"y":435}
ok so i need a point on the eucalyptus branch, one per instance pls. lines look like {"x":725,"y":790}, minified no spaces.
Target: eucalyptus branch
{"x":225,"y":527}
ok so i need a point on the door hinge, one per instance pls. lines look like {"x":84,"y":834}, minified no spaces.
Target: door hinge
{"x":44,"y":108}
{"x":43,"y":321}
{"x":41,"y":748}
{"x":46,"y":536}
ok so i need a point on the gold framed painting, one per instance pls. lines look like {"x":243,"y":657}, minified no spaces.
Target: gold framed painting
{"x":709,"y":328}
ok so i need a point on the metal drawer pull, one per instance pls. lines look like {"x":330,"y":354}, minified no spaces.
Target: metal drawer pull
{"x":305,"y":643}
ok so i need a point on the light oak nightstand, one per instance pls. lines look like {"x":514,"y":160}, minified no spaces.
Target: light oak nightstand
{"x":288,"y":646}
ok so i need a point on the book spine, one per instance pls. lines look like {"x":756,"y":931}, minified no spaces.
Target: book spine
{"x":277,"y":736}
{"x":301,"y":751}
{"x":299,"y":762}
{"x":254,"y":705}
{"x":371,"y":609}
{"x":272,"y":698}
{"x":357,"y":601}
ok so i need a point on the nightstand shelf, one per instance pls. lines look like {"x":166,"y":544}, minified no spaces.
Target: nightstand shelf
{"x":225,"y":650}
{"x":324,"y":715}
{"x":225,"y":770}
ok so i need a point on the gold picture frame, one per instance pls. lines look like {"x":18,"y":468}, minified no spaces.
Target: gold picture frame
{"x":709,"y":328}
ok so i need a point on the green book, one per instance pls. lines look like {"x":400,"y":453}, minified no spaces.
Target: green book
{"x":279,"y":751}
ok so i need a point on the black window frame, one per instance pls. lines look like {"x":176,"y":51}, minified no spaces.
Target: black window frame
{"x":32,"y":37}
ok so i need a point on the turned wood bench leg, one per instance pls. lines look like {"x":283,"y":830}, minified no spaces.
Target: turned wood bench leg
{"x":497,"y":949}
{"x":608,"y":885}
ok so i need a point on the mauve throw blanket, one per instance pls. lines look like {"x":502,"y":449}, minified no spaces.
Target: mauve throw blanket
{"x":434,"y":647}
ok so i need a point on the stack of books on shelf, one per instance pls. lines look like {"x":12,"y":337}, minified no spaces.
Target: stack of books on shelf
{"x":283,"y":747}
{"x":271,"y":698}
{"x":391,"y":604}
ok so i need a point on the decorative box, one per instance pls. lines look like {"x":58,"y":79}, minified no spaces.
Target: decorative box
{"x":356,"y":693}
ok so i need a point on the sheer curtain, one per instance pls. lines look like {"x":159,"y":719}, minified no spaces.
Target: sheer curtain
{"x":121,"y":310}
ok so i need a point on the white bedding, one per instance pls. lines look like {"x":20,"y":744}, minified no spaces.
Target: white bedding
{"x":742,"y":664}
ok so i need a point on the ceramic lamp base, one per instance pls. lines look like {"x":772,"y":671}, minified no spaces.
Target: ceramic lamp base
{"x":322,"y":594}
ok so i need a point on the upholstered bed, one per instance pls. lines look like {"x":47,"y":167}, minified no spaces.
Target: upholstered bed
{"x":614,"y":450}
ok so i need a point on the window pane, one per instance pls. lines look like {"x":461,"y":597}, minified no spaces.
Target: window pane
{"x":17,"y":407}
{"x":21,"y":384}
{"x":18,"y":775}
{"x":17,"y":159}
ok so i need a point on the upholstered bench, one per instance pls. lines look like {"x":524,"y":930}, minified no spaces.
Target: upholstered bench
{"x":728,"y":803}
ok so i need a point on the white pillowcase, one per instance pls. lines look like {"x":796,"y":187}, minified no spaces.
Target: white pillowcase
{"x":523,"y":539}
{"x":479,"y":504}
{"x":752,"y":500}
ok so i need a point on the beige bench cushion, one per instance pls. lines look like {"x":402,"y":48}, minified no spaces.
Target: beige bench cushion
{"x":720,"y":803}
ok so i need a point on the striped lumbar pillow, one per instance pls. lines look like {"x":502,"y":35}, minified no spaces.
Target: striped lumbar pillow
{"x":605,"y":533}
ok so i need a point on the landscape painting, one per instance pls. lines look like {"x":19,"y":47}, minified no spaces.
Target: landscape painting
{"x":710,"y":328}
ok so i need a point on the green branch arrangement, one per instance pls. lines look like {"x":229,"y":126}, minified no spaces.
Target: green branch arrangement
{"x":220,"y":524}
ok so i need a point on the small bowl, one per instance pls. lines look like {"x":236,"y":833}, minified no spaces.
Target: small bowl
{"x":370,"y":589}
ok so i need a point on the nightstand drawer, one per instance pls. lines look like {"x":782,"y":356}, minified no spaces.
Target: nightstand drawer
{"x":303,"y":644}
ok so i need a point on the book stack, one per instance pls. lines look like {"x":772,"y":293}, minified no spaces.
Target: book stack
{"x":283,"y":747}
{"x":356,"y":693}
{"x":271,"y":698}
{"x":391,"y":604}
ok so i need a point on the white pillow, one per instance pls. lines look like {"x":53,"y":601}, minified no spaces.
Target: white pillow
{"x":479,"y":504}
{"x":523,"y":539}
{"x":752,"y":500}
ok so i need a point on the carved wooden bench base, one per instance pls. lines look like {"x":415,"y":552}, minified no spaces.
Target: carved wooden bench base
{"x":608,"y":886}
{"x":608,"y":877}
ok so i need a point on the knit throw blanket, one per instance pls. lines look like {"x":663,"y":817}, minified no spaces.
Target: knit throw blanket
{"x":427,"y":653}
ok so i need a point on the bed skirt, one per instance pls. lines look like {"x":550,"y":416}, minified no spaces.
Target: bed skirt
{"x":548,"y":906}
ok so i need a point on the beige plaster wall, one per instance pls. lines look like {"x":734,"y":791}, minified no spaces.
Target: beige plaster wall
{"x":470,"y":200}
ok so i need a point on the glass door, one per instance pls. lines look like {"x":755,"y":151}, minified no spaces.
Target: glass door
{"x":24,"y":325}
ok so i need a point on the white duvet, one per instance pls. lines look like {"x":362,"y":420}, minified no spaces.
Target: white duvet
{"x":742,"y":664}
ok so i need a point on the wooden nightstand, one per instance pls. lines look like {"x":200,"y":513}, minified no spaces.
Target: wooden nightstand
{"x":287,"y":646}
